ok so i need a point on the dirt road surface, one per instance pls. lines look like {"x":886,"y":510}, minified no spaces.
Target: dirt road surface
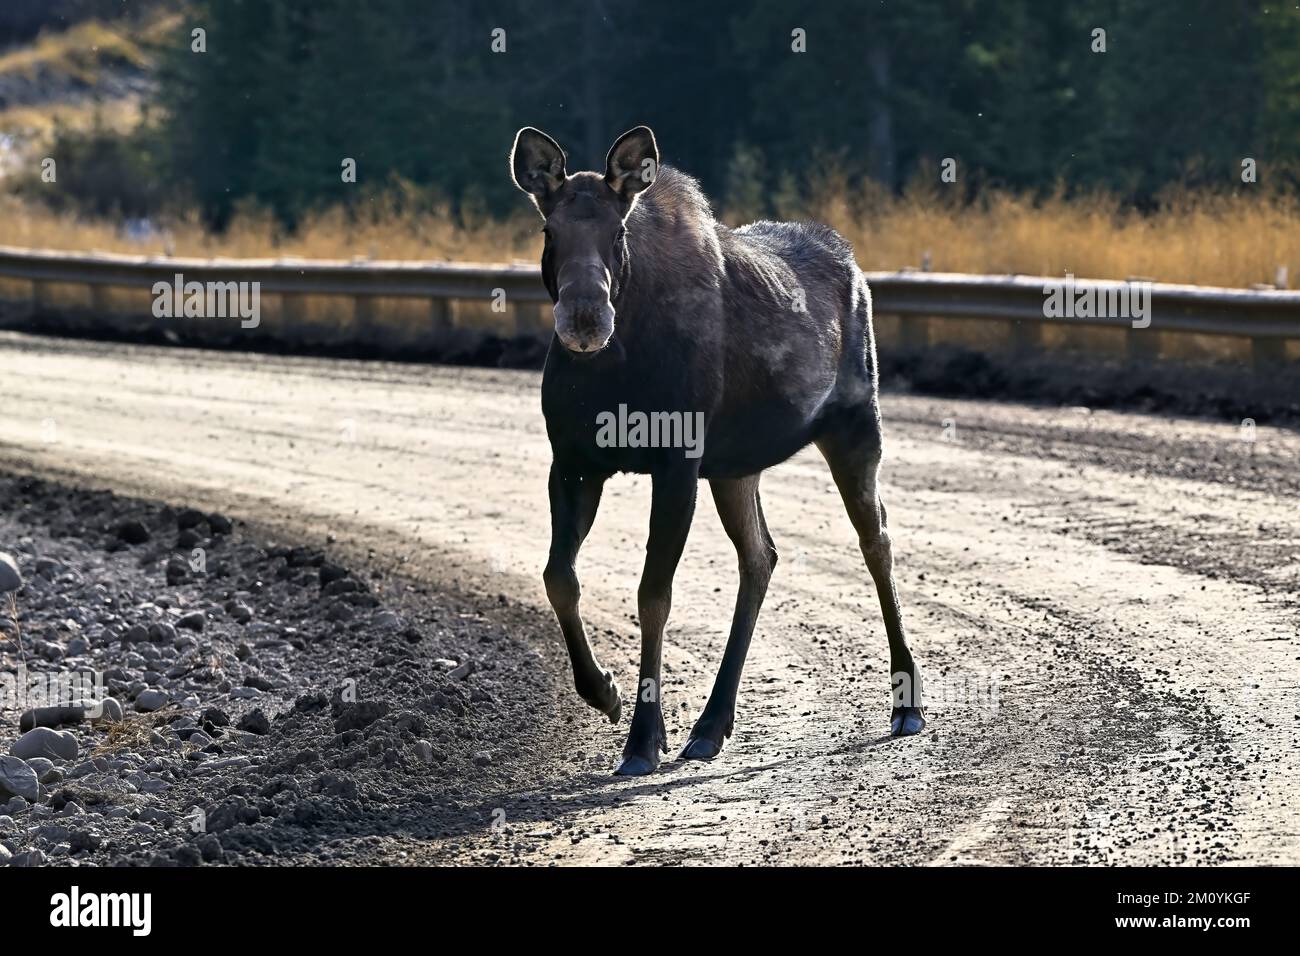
{"x":1105,"y":606}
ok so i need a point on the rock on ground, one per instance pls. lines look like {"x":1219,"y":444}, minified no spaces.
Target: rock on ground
{"x":265,"y":717}
{"x":17,"y":779}
{"x":46,"y":742}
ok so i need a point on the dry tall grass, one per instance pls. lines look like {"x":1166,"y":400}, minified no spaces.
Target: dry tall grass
{"x":35,"y":125}
{"x":1236,"y":239}
{"x":1230,"y":240}
{"x":388,"y":228}
{"x":83,"y":51}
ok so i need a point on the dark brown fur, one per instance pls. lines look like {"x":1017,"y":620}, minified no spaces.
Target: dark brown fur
{"x":765,"y":331}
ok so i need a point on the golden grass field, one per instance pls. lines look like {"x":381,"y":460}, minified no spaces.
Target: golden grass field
{"x":1236,"y":239}
{"x":385,"y":229}
{"x":1229,"y":240}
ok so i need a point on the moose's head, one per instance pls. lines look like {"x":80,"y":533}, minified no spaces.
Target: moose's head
{"x":586,"y":242}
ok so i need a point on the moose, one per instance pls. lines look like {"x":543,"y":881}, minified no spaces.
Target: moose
{"x":765,"y":333}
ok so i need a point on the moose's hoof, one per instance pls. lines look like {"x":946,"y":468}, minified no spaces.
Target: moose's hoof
{"x":635,"y":765}
{"x":607,"y":699}
{"x":906,"y":721}
{"x":616,"y":711}
{"x":701,"y":748}
{"x":645,"y":741}
{"x":706,"y":739}
{"x":611,"y":704}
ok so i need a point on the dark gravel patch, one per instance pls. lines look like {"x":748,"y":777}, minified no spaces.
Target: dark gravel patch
{"x":280,"y":706}
{"x":1219,"y":391}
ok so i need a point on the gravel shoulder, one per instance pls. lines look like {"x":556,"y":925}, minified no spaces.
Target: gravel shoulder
{"x":1106,"y":606}
{"x":264,"y":703}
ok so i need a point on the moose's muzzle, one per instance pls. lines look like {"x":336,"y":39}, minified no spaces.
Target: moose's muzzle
{"x":584,"y":316}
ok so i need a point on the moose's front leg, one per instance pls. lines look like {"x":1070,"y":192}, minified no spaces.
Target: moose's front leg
{"x":672,"y":506}
{"x":574,"y":500}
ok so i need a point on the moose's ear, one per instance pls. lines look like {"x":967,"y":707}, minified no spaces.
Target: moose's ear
{"x":537,"y":162}
{"x":633,"y":162}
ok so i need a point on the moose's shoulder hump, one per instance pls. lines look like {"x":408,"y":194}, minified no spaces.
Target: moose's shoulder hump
{"x":674,"y":195}
{"x":797,"y":240}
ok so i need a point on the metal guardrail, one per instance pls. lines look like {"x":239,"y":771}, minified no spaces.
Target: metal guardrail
{"x":1268,"y":318}
{"x":355,"y":277}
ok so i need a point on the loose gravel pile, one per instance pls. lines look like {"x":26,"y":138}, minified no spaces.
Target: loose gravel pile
{"x":256,"y":702}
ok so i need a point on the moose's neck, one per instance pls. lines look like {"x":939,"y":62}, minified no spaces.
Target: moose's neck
{"x":673,"y":252}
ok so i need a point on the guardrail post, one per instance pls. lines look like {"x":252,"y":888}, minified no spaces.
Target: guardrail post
{"x":101,"y":300}
{"x":440,"y":314}
{"x":1266,"y":352}
{"x":531,"y":318}
{"x":1025,"y":335}
{"x":41,"y":299}
{"x":914,"y":332}
{"x":293,"y":308}
{"x":365,"y":316}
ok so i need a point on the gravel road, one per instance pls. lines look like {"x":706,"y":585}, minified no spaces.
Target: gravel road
{"x":1105,"y":604}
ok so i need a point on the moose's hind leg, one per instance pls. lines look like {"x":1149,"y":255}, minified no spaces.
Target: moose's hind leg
{"x":741,"y":511}
{"x":852,"y":449}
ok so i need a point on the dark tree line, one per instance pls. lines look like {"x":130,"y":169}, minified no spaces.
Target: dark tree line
{"x":1014,"y":90}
